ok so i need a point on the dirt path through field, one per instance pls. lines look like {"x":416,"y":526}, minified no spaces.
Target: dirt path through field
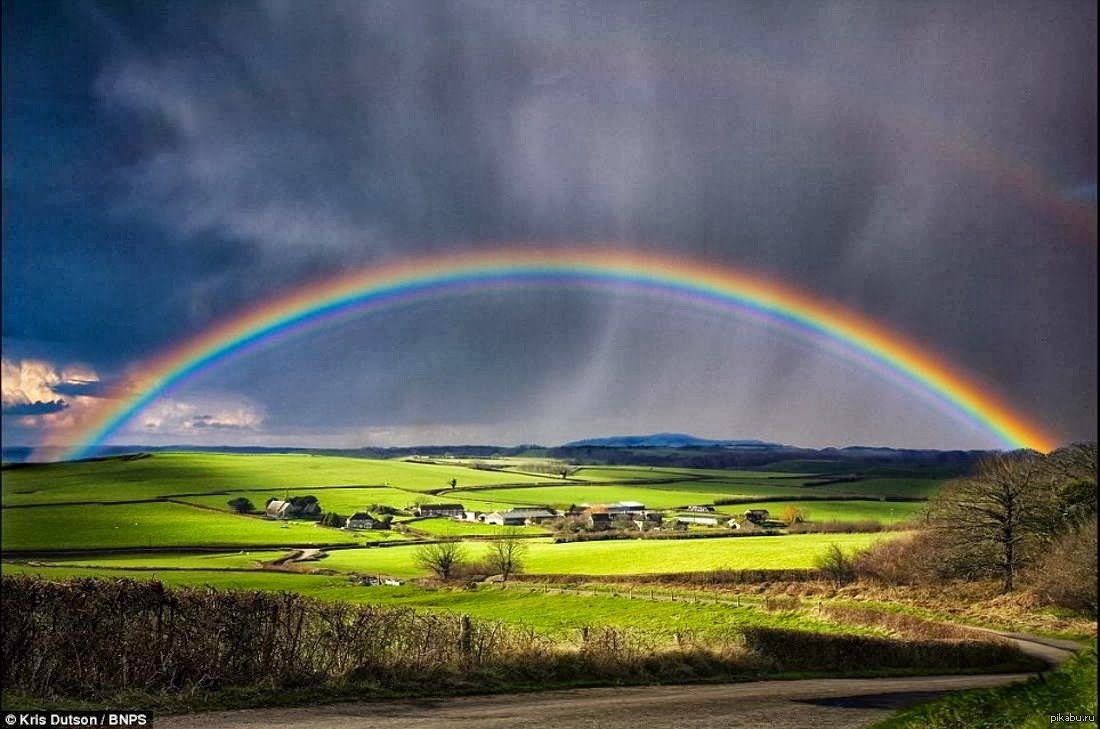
{"x":813,"y":704}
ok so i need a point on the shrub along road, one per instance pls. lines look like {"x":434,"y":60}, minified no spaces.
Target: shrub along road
{"x":816,"y":703}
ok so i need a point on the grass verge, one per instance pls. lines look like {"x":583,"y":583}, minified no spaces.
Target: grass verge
{"x":1067,"y":692}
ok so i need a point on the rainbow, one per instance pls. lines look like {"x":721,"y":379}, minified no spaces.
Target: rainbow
{"x":524,"y":268}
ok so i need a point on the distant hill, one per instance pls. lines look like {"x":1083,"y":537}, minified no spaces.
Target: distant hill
{"x":665,"y":440}
{"x":658,"y":449}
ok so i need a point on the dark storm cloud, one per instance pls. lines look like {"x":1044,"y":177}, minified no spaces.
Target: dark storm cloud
{"x":35,"y":408}
{"x":906,"y":160}
{"x":84,"y":388}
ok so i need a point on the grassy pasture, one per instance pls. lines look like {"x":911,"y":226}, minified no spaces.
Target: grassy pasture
{"x":644,"y":473}
{"x":562,"y":496}
{"x":783,"y":488}
{"x":917,"y":487}
{"x":626,"y":556}
{"x":556,"y":614}
{"x":162,"y":474}
{"x":151,"y":525}
{"x":240,"y":560}
{"x":628,"y":473}
{"x":879,"y":470}
{"x":562,"y":614}
{"x":887,"y":512}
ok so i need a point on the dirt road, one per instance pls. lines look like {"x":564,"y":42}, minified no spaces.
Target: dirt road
{"x":816,"y":704}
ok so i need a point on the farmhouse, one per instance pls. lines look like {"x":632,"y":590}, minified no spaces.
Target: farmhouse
{"x":295,"y":506}
{"x":597,"y":517}
{"x":626,"y":508}
{"x":506,"y":518}
{"x":457,"y":510}
{"x":365,"y":520}
{"x":277,"y":509}
{"x":536,"y":514}
{"x":473,"y":516}
{"x":757,"y":516}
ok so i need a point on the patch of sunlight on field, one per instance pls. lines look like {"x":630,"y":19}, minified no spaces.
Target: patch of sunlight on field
{"x":150,"y":525}
{"x":562,"y":496}
{"x":629,"y":556}
{"x":886,"y":512}
{"x":161,"y":474}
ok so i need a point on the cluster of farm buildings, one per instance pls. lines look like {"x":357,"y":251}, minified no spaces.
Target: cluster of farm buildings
{"x":593,"y":516}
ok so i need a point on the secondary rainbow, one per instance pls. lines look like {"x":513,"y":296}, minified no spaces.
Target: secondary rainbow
{"x":522,"y":268}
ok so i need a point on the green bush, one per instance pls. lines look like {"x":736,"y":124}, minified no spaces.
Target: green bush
{"x":1071,"y":690}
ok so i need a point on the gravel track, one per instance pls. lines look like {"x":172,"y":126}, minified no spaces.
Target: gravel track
{"x":813,"y":703}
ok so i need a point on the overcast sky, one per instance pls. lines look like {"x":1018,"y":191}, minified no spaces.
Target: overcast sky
{"x":930,"y":165}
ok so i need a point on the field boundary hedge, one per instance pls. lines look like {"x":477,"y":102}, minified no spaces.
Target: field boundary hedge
{"x":87,"y":638}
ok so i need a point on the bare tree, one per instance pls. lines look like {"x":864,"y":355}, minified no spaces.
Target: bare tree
{"x":507,"y":552}
{"x":996,"y":519}
{"x":440,"y":558}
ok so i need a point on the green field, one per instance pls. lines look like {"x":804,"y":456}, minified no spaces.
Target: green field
{"x":626,"y":556}
{"x":910,"y":487}
{"x":886,"y":512}
{"x":162,"y":474}
{"x":744,"y":488}
{"x":551,"y":613}
{"x":654,"y":497}
{"x":642,"y":473}
{"x":346,"y":485}
{"x":152,"y":525}
{"x":240,"y":560}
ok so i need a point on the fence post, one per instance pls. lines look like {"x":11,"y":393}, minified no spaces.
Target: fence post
{"x":465,"y":636}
